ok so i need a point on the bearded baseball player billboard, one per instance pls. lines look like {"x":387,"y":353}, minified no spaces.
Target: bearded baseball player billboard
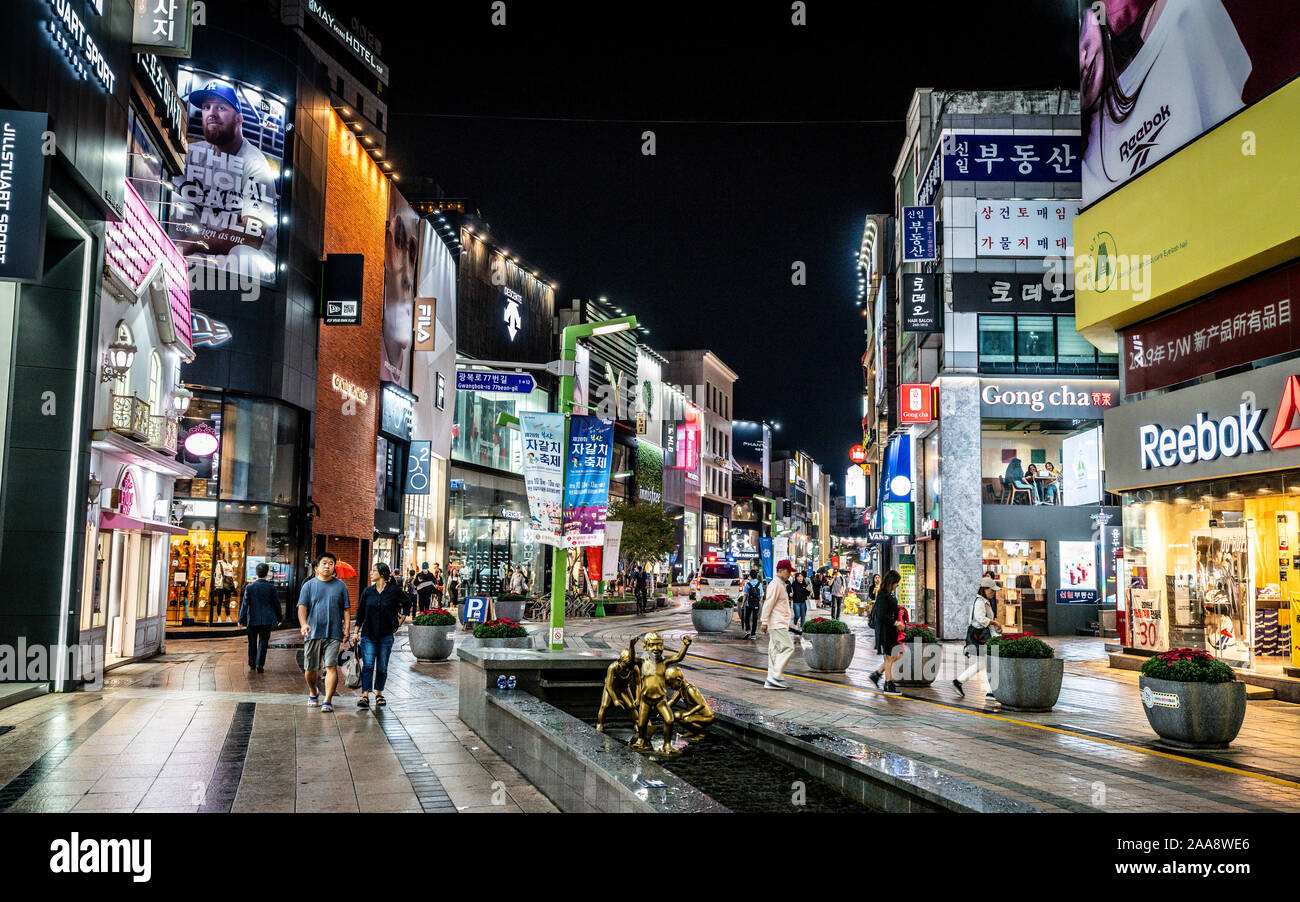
{"x":226,"y":205}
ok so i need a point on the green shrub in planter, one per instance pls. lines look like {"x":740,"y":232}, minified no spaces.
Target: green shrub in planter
{"x":436,"y":617}
{"x":714,"y":603}
{"x":1019,"y":645}
{"x":1188,"y":665}
{"x":825,"y":625}
{"x":916,"y":631}
{"x":499,"y":629}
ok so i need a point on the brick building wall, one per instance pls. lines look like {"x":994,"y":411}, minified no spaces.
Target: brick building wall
{"x":356,"y":211}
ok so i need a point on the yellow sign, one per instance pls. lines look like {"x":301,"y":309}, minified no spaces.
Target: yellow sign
{"x":1219,"y":210}
{"x":1295,"y":631}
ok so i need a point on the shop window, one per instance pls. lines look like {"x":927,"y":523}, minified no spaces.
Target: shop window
{"x":1076,"y":353}
{"x":1025,"y":456}
{"x":1039,"y":345}
{"x":476,"y":437}
{"x":144,"y":168}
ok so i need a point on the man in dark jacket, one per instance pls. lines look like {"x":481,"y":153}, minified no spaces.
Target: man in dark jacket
{"x":260,"y":612}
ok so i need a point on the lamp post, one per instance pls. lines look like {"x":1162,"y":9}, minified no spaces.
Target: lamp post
{"x":560,"y":554}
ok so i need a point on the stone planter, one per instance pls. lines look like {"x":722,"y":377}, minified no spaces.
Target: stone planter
{"x":511,"y":609}
{"x":1026,"y":684}
{"x":521,"y":642}
{"x":710,"y":621}
{"x":1194,"y":715}
{"x":661,"y":602}
{"x":432,"y":643}
{"x":919,"y":665}
{"x":828,"y":652}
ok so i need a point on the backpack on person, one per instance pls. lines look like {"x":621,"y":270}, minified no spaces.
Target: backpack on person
{"x":753,"y":594}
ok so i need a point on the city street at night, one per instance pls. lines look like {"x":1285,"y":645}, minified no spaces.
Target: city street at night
{"x":584,"y":411}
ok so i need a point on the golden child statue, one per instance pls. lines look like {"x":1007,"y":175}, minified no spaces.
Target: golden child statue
{"x":653,"y":695}
{"x":697,"y":714}
{"x":621,"y":685}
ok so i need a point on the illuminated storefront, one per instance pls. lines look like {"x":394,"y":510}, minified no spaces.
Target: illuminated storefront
{"x":1210,"y":480}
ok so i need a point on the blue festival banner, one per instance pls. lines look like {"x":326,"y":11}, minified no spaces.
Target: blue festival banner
{"x":586,"y":480}
{"x":765,"y":551}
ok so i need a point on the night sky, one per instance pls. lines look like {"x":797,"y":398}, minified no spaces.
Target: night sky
{"x":699,"y":240}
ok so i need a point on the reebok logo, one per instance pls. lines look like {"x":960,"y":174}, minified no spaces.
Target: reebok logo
{"x":1203,"y":441}
{"x":1139,"y":145}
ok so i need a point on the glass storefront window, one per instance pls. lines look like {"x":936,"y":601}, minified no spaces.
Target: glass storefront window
{"x":476,"y":437}
{"x":997,"y":344}
{"x":1035,"y":344}
{"x":1213,"y":565}
{"x":1039,"y":345}
{"x":489,"y":533}
{"x":1021,"y":567}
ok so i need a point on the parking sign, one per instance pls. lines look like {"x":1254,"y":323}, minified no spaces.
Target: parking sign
{"x":476,"y":607}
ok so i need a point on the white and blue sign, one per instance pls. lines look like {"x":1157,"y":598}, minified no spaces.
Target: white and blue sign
{"x":486,"y":380}
{"x":765,"y":551}
{"x":919,"y":243}
{"x":1001,"y":158}
{"x":476,"y":608}
{"x":418,"y":468}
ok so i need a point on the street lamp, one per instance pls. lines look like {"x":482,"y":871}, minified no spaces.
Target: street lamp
{"x":181,"y":397}
{"x":569,"y":336}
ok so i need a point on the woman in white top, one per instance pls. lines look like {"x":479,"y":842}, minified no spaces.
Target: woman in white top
{"x":981,"y":616}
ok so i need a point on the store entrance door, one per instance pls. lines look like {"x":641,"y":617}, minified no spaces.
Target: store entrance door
{"x":1224,"y":580}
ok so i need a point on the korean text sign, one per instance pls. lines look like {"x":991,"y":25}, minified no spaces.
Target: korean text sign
{"x":543,"y":438}
{"x":1025,"y":228}
{"x":919,"y":244}
{"x":586,"y":481}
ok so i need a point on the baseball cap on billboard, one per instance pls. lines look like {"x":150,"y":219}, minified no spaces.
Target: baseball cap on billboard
{"x":215,"y":90}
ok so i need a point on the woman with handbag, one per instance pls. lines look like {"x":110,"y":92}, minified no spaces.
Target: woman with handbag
{"x":379,"y":614}
{"x":979,"y":630}
{"x":889,"y":630}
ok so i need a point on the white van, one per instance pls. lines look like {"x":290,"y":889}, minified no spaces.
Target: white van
{"x":720,"y":578}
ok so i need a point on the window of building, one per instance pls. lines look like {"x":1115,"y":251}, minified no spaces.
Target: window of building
{"x":144,"y":168}
{"x":361,"y":104}
{"x":338,"y":85}
{"x":379,"y":119}
{"x":1039,"y":345}
{"x":155,"y":384}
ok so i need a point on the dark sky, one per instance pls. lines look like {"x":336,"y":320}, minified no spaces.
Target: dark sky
{"x":699,"y":239}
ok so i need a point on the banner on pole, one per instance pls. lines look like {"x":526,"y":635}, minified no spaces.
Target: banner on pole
{"x":586,"y":481}
{"x":594,"y":568}
{"x":543,"y":439}
{"x":609,"y":561}
{"x":765,"y":552}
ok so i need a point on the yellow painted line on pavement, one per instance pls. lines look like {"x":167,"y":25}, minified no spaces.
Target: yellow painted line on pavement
{"x":1038,"y":726}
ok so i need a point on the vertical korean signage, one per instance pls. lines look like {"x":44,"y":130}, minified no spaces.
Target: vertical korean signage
{"x":919,"y":242}
{"x":586,"y":481}
{"x":24,"y":184}
{"x":164,"y":27}
{"x":543,"y":438}
{"x":907,"y":585}
{"x":921,"y":312}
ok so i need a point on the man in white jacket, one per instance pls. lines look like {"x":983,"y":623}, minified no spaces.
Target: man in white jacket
{"x":981,"y":616}
{"x":775,"y":621}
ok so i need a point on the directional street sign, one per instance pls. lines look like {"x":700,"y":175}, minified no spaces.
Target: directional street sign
{"x":485,"y":380}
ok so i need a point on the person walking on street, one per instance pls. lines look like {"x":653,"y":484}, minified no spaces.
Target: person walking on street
{"x":799,"y":601}
{"x":424,"y":583}
{"x":453,"y":588}
{"x":888,"y":624}
{"x":839,"y":588}
{"x":437,"y":586}
{"x":775,"y":621}
{"x":323,"y":606}
{"x":751,"y":604}
{"x":978,"y":630}
{"x":641,"y":589}
{"x":817,"y":589}
{"x":259,"y":611}
{"x":379,"y":614}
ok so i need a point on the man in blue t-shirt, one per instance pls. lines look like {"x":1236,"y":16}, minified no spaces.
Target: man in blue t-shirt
{"x":323,"y":614}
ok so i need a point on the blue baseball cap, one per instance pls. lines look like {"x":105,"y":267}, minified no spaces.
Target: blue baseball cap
{"x":215,"y":90}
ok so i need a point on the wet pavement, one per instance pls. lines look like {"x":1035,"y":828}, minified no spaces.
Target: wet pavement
{"x":196,"y":730}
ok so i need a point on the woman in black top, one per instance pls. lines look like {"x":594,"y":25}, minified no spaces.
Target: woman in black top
{"x":886,"y":623}
{"x":799,"y":600}
{"x":379,"y":614}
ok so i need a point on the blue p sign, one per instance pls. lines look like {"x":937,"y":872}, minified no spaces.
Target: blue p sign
{"x":476,"y":609}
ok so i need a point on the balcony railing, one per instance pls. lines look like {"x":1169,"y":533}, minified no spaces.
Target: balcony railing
{"x":132,"y":418}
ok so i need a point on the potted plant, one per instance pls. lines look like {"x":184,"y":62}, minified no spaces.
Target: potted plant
{"x":511,"y":607}
{"x":1024,"y":672}
{"x":712,"y":614}
{"x":432,"y":635}
{"x":1191,"y":699}
{"x":922,"y":653}
{"x":502,"y":633}
{"x":828,"y":645}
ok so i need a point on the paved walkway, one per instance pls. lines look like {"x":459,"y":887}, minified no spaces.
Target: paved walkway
{"x":195,"y":730}
{"x":1094,"y":752}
